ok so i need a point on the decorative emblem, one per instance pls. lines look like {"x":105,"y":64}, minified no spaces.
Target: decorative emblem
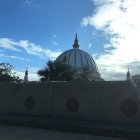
{"x":72,"y":104}
{"x":29,"y":103}
{"x":129,"y":107}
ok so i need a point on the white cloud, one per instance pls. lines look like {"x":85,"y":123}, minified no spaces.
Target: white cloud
{"x":119,"y":21}
{"x":55,"y":43}
{"x":32,"y":74}
{"x":54,"y":35}
{"x":9,"y":44}
{"x":31,"y":3}
{"x":89,"y":45}
{"x":29,"y":47}
{"x":34,"y":49}
{"x":16,"y":57}
{"x":52,"y":54}
{"x":13,"y":57}
{"x":28,"y":1}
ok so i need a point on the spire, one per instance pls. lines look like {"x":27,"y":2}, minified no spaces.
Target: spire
{"x":26,"y":76}
{"x":76,"y":45}
{"x":128,"y":75}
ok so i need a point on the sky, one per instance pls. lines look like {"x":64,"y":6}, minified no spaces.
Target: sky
{"x":35,"y":31}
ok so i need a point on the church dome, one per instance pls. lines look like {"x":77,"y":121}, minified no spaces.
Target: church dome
{"x":79,"y":59}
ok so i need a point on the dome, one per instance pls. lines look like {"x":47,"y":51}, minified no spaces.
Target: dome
{"x":79,"y":60}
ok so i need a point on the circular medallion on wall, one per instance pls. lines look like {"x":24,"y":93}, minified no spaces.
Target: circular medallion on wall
{"x":129,"y":107}
{"x":29,"y":103}
{"x":72,"y":104}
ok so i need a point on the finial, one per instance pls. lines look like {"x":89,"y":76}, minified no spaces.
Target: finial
{"x":76,"y":45}
{"x":76,"y":37}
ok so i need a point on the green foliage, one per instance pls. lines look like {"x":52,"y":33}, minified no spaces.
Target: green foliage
{"x":6,"y":74}
{"x":55,"y":71}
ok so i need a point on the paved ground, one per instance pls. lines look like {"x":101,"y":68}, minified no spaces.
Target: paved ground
{"x":23,"y":133}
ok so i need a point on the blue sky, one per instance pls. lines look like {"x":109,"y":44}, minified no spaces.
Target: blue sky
{"x":35,"y":31}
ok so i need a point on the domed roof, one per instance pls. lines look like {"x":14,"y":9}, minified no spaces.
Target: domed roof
{"x":77,"y":58}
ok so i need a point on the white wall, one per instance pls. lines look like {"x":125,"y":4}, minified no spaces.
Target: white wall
{"x":6,"y":97}
{"x":39,"y":93}
{"x":96,"y":101}
{"x":85,"y":95}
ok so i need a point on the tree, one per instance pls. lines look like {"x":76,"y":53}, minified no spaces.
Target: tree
{"x":55,"y":71}
{"x":85,"y":73}
{"x":6,"y":74}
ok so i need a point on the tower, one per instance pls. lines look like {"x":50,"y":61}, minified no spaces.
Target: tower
{"x":128,"y":75}
{"x":26,"y":76}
